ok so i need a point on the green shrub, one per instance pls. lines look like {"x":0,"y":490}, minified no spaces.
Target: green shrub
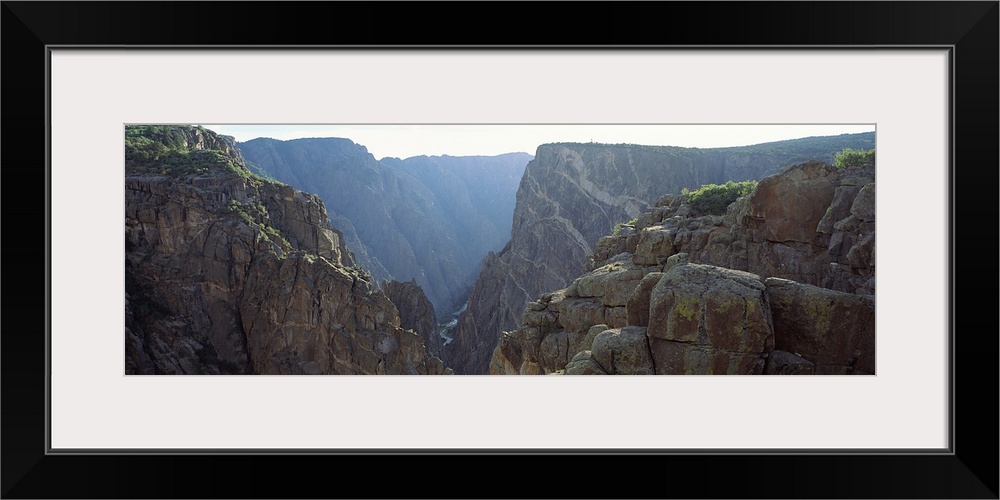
{"x":240,"y":209}
{"x":714,"y":199}
{"x":276,"y":236}
{"x":848,"y":157}
{"x":617,"y":230}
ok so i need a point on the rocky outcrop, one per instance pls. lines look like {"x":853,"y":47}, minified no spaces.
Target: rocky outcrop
{"x":415,"y":313}
{"x":834,"y":331}
{"x":800,"y":225}
{"x":427,"y":219}
{"x":230,"y":273}
{"x":573,"y":194}
{"x":678,"y":292}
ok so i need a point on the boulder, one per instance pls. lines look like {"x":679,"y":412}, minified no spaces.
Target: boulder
{"x":786,"y":363}
{"x":790,"y":206}
{"x":584,"y":364}
{"x":822,"y":325}
{"x":623,"y":351}
{"x":637,"y":309}
{"x":653,"y":246}
{"x":706,"y":319}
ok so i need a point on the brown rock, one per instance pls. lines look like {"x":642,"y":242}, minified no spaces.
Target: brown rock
{"x":715,"y":321}
{"x":864,"y":204}
{"x":586,"y":344}
{"x":786,"y":363}
{"x":584,"y":364}
{"x":790,"y":206}
{"x":653,"y":246}
{"x":579,"y":315}
{"x":637,"y":309}
{"x":824,"y":326}
{"x":616,"y":317}
{"x":861,"y":256}
{"x":680,"y":358}
{"x":623,"y":351}
{"x":840,"y":207}
{"x":415,"y":313}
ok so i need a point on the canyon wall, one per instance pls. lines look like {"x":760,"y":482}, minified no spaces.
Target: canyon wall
{"x":573,"y":194}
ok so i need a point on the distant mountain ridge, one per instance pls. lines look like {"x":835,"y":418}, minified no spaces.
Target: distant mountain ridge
{"x":426,"y":219}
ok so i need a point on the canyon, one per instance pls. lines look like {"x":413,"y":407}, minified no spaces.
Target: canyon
{"x":426,"y":219}
{"x":585,"y":258}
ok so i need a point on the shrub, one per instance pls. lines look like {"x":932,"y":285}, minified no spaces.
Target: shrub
{"x":617,"y":230}
{"x":240,"y":209}
{"x":848,"y":157}
{"x":714,"y":199}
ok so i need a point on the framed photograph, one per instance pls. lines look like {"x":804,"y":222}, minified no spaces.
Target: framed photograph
{"x":924,"y":74}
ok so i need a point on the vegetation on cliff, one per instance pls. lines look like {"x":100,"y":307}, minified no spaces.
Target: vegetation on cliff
{"x":713,"y":199}
{"x":848,"y":157}
{"x":170,"y":150}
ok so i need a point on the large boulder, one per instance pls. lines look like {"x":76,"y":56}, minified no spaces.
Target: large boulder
{"x":790,"y":206}
{"x":623,"y":351}
{"x":709,"y":320}
{"x":827,"y":327}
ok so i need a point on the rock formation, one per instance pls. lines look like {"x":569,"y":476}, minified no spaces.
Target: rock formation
{"x":415,"y":312}
{"x":783,"y":283}
{"x":573,"y":194}
{"x":427,"y":219}
{"x":229,"y":273}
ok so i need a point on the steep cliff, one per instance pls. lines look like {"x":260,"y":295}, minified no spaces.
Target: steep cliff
{"x":476,"y":195}
{"x":783,"y":283}
{"x":230,"y":273}
{"x":573,"y":194}
{"x":427,"y":219}
{"x":415,"y":312}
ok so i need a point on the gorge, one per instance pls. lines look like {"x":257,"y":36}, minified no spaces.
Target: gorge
{"x":449,"y":264}
{"x":427,"y":219}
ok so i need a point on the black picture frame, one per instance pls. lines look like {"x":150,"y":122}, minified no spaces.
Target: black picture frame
{"x":969,"y":471}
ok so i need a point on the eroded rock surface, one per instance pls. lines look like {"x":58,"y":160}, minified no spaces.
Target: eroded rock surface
{"x":572,"y":195}
{"x":230,"y":273}
{"x":415,"y":312}
{"x":678,"y":292}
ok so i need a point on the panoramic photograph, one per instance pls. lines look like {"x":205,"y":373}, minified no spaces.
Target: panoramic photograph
{"x":286,"y":249}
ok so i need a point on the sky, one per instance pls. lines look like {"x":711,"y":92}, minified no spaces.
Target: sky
{"x":405,"y":141}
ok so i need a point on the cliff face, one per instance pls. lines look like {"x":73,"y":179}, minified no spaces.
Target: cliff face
{"x":476,"y":195}
{"x":229,"y":273}
{"x":427,"y":219}
{"x":573,"y":194}
{"x":415,"y":313}
{"x":671,"y":294}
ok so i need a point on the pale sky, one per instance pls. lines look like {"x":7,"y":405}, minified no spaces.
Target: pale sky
{"x":404,"y":141}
